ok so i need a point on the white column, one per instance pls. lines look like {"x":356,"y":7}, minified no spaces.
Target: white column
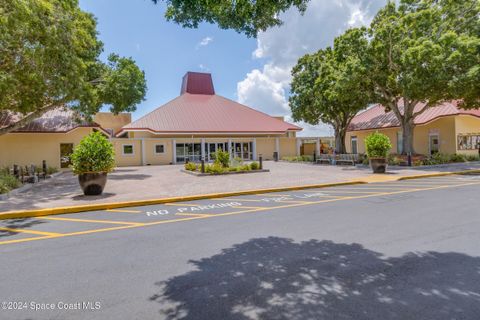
{"x":143,"y":152}
{"x":254,"y":149}
{"x":202,"y":152}
{"x":230,"y":149}
{"x":299,"y":146}
{"x":317,"y":146}
{"x":174,"y":151}
{"x":277,"y":147}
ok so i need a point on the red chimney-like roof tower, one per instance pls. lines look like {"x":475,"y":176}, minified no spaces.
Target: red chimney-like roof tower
{"x":197,"y":83}
{"x":198,"y":110}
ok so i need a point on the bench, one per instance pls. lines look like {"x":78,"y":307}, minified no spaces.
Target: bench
{"x":347,"y":159}
{"x":338,"y":159}
{"x":325,"y":158}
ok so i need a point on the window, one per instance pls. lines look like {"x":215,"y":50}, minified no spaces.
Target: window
{"x":127,"y":150}
{"x":354,"y":144}
{"x":159,"y":149}
{"x":66,"y":150}
{"x":468,"y":141}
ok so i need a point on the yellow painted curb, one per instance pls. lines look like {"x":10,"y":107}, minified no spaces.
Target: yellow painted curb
{"x":438,"y":174}
{"x":115,"y":205}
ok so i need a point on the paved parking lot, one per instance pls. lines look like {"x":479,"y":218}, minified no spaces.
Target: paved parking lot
{"x":396,"y":250}
{"x":84,"y":223}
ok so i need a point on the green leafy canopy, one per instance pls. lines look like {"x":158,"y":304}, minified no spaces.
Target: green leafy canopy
{"x":94,"y":153}
{"x":377,"y":145}
{"x":50,"y":57}
{"x":331,"y":85}
{"x":244,"y":16}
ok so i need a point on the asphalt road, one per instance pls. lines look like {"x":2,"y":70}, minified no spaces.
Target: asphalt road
{"x":400,"y":250}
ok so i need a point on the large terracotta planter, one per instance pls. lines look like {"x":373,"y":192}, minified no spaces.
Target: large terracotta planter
{"x":379,"y":165}
{"x":92,"y":183}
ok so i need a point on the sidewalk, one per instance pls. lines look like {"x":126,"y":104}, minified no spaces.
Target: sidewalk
{"x":153,"y":182}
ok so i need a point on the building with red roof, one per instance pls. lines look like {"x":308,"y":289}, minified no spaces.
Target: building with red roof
{"x":198,"y":123}
{"x":445,"y":128}
{"x":192,"y":126}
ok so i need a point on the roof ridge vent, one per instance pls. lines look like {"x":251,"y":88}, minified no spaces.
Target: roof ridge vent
{"x":197,"y":83}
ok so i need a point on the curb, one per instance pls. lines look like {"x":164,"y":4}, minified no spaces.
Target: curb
{"x":438,"y":174}
{"x":124,"y":204}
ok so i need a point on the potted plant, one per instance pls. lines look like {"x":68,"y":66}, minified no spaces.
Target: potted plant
{"x":92,"y":160}
{"x":377,"y":146}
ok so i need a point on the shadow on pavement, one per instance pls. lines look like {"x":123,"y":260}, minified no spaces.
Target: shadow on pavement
{"x":23,"y":223}
{"x":276,"y":278}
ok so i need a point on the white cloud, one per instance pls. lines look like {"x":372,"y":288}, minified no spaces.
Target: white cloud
{"x":267,"y":88}
{"x":204,"y":42}
{"x":203,"y":67}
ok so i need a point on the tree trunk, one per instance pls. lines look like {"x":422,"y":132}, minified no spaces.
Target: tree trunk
{"x":340,"y":140}
{"x":407,"y":134}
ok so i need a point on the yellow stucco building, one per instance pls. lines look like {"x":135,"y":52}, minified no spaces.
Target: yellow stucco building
{"x":192,"y":126}
{"x":445,"y":128}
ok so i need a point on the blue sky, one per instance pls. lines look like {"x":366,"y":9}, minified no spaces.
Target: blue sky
{"x":165,"y":51}
{"x":255,"y":72}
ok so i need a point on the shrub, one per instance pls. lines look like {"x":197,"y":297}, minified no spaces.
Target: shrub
{"x":214,"y":168}
{"x":307,"y":158}
{"x":190,"y":166}
{"x":94,"y":154}
{"x":8,"y":182}
{"x":222,"y":158}
{"x":254,"y":165}
{"x":245,"y":167}
{"x":394,"y":160}
{"x":378,"y":145}
{"x":52,"y":170}
{"x":233,"y":169}
{"x":458,"y":158}
{"x":472,"y":157}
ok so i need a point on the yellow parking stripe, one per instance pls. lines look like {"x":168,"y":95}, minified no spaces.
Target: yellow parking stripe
{"x":42,"y":233}
{"x":192,"y":214}
{"x":271,"y":195}
{"x":90,"y":221}
{"x":245,"y":207}
{"x":297,"y":204}
{"x":233,"y":199}
{"x":124,"y":210}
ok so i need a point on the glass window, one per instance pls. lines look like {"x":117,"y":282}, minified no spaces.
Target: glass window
{"x":468,"y":141}
{"x":159,"y":149}
{"x":354,"y":144}
{"x":128,"y":149}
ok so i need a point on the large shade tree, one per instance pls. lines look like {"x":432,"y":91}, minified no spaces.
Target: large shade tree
{"x":50,"y":58}
{"x":244,"y":16}
{"x":422,"y":53}
{"x":331,"y":85}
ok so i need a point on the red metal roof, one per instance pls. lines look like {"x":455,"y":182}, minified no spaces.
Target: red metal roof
{"x":197,"y":83}
{"x":54,"y":121}
{"x":377,"y":118}
{"x":199,"y":110}
{"x":197,"y":113}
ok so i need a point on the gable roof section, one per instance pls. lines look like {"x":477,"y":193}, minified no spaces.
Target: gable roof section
{"x":60,"y":120}
{"x":377,"y":118}
{"x":202,"y":113}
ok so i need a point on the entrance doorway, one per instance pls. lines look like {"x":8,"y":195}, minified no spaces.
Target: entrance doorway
{"x":66,"y":150}
{"x":434,"y":144}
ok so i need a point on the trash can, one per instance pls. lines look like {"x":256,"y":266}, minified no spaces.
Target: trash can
{"x":275,"y":156}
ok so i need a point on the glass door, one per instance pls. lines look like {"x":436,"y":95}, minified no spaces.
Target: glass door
{"x":212,"y":148}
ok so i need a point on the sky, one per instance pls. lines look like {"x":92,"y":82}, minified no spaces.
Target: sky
{"x":255,"y":72}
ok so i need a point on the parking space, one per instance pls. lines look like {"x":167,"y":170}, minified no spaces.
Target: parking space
{"x":57,"y":226}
